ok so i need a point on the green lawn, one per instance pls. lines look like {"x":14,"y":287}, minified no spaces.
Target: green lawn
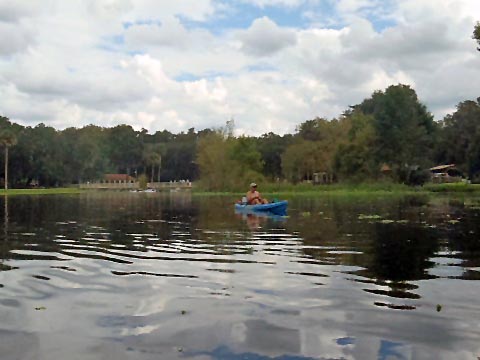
{"x":41,"y":191}
{"x":287,"y":190}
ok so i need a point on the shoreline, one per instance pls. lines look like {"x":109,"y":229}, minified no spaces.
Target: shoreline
{"x":287,"y":190}
{"x":46,"y":191}
{"x":360,"y":189}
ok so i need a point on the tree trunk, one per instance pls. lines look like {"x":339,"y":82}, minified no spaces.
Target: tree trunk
{"x":153,"y":173}
{"x":159,"y":167}
{"x":5,"y":229}
{"x":6,"y":167}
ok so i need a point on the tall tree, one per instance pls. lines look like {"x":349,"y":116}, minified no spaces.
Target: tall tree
{"x":461,"y":139}
{"x":405,"y":129}
{"x":314,"y":149}
{"x":7,"y":139}
{"x":228,"y":163}
{"x":271,"y":147}
{"x":476,"y":34}
{"x":212,"y":158}
{"x":356,"y":158}
{"x":304,"y":158}
{"x":125,"y":148}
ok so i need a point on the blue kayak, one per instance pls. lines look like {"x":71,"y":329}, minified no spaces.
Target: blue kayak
{"x":277,"y":208}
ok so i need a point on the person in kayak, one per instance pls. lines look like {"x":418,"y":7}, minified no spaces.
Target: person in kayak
{"x":254,"y":197}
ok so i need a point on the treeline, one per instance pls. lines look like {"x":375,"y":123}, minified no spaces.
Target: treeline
{"x":45,"y":156}
{"x":391,"y":134}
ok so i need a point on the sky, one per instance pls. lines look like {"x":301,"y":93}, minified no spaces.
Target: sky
{"x":268,"y":64}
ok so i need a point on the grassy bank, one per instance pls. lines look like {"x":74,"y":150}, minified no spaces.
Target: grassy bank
{"x":453,"y":188}
{"x":287,"y":190}
{"x":41,"y":191}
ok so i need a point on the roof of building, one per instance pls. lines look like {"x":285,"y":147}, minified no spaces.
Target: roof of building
{"x":385,"y":168}
{"x":442,"y":167}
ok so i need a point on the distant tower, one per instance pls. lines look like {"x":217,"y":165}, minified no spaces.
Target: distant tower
{"x":230,"y":127}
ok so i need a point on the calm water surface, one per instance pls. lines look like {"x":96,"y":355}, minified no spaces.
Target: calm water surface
{"x":151,"y":276}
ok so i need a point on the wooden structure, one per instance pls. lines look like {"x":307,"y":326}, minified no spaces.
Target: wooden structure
{"x":322,"y":178}
{"x":385,"y":169}
{"x":445,"y":174}
{"x":134,"y":185}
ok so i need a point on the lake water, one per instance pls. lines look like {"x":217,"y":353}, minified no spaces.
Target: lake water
{"x":167,"y":276}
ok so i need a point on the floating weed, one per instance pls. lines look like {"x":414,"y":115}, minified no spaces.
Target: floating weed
{"x":387,"y":221}
{"x":369,"y":217}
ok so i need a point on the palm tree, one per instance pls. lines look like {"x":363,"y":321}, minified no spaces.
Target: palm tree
{"x":7,"y":139}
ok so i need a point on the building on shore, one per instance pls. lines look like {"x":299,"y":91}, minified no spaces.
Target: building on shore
{"x":445,"y":174}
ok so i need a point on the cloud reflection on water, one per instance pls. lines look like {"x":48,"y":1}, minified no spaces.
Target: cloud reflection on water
{"x":129,"y":277}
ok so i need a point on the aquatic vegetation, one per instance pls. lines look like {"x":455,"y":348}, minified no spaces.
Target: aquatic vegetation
{"x":387,"y":221}
{"x":369,"y":217}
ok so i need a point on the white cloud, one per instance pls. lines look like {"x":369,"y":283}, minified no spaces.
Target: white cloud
{"x":348,"y":7}
{"x":13,"y":11}
{"x":199,"y":10}
{"x":14,"y":39}
{"x":71,"y":63}
{"x":264,"y":37}
{"x":170,"y":33}
{"x":264,"y":3}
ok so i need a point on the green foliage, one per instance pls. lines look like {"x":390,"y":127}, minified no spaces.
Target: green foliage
{"x":417,"y":177}
{"x":355,"y":158}
{"x":476,"y":34}
{"x":142,"y":181}
{"x":405,"y":129}
{"x":244,"y":152}
{"x":314,"y":149}
{"x":227,"y":163}
{"x":125,"y":148}
{"x":271,"y":147}
{"x":301,"y":160}
{"x":461,"y":138}
{"x":459,"y":187}
{"x":7,"y":139}
{"x":49,"y":157}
